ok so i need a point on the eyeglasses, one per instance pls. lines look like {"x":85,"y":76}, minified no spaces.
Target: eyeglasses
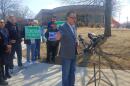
{"x":72,"y":17}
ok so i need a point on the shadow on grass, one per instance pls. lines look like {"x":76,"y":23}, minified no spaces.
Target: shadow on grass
{"x":86,"y":61}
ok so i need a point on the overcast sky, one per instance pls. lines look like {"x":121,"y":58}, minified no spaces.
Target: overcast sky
{"x":37,"y":5}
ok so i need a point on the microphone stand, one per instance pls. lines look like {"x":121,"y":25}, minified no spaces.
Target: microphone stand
{"x":99,"y":71}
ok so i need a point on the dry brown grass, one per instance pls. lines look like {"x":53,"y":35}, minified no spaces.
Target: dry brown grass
{"x":115,"y":52}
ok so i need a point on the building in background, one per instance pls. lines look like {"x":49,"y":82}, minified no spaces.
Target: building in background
{"x":87,"y":15}
{"x":115,"y":23}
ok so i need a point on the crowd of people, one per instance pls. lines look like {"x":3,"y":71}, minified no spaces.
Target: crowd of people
{"x":12,"y":33}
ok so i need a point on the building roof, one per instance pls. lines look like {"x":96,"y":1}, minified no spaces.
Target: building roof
{"x":90,"y":9}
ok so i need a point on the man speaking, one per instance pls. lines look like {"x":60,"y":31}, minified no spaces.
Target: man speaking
{"x":68,"y":37}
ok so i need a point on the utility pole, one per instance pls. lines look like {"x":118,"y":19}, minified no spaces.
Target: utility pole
{"x":108,"y":14}
{"x":119,"y":16}
{"x":127,"y":22}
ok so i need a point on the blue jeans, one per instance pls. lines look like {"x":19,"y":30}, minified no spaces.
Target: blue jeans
{"x":31,"y":50}
{"x":37,"y":50}
{"x":28,"y":52}
{"x":68,"y":72}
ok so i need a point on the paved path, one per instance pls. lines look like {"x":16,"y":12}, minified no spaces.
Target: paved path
{"x":42,"y":74}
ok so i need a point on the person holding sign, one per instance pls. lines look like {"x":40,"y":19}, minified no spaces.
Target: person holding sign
{"x":53,"y":19}
{"x":32,"y":32}
{"x":52,"y":43}
{"x":38,"y":41}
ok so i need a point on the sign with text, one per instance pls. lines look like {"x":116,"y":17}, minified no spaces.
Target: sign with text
{"x":52,"y":36}
{"x":59,"y":23}
{"x":32,"y":32}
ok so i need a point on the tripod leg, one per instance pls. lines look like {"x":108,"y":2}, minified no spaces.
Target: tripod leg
{"x":94,"y":74}
{"x":99,"y":70}
{"x":107,"y":79}
{"x":92,"y":79}
{"x":103,"y":74}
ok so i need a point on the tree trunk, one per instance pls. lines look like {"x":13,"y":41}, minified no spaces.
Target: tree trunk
{"x":108,"y":14}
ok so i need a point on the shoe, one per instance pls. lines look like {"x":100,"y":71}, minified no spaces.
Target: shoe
{"x":38,"y":58}
{"x":34,"y":62}
{"x":5,"y":78}
{"x":53,"y":60}
{"x":8,"y":76}
{"x":11,"y":71}
{"x":11,"y":67}
{"x":47,"y":61}
{"x":3,"y":83}
{"x":27,"y":64}
{"x":21,"y":67}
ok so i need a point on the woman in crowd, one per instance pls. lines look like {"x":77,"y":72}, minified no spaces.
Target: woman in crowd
{"x":37,"y":41}
{"x":30,"y":44}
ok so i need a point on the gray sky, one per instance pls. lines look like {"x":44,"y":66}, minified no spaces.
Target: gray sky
{"x":37,"y":5}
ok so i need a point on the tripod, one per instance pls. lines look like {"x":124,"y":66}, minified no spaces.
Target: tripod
{"x":99,"y":71}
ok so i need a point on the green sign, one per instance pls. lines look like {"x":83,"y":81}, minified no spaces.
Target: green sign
{"x":32,"y":32}
{"x":59,"y":23}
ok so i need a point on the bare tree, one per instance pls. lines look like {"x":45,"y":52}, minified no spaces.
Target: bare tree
{"x":109,"y":5}
{"x":8,"y":5}
{"x":108,"y":17}
{"x":23,"y":12}
{"x":26,"y":12}
{"x":87,"y":2}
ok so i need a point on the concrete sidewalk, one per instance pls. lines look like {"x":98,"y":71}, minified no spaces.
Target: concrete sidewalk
{"x":42,"y":74}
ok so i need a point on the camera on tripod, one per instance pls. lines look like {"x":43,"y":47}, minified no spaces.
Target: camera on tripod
{"x":94,"y":41}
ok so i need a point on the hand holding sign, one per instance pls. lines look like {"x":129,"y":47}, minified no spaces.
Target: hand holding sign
{"x":58,"y":36}
{"x":52,"y":36}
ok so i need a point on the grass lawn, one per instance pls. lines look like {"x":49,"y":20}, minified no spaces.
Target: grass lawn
{"x":115,"y":52}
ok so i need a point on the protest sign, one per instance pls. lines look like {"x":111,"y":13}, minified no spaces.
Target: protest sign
{"x":32,"y":32}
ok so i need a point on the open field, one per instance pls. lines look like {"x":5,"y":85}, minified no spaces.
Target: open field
{"x":115,"y":52}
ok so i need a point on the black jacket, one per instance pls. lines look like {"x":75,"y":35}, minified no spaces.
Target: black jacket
{"x":14,"y":32}
{"x":4,"y":41}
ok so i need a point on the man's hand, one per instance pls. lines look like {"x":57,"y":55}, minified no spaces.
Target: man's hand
{"x":8,"y":48}
{"x":58,"y":35}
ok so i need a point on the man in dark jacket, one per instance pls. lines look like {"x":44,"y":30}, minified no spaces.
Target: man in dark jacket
{"x":5,"y":49}
{"x":52,"y":43}
{"x":15,"y":39}
{"x":68,"y":51}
